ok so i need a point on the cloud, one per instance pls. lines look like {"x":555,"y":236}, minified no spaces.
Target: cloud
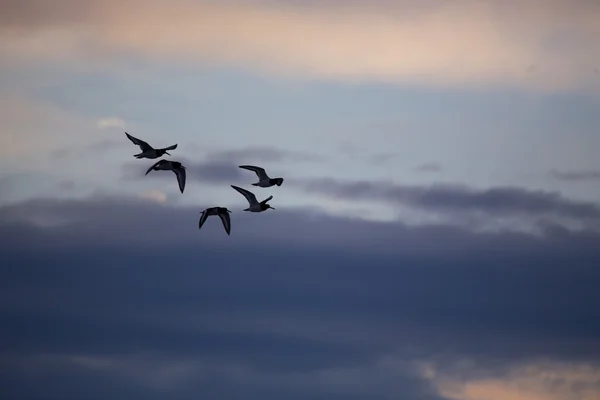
{"x":435,"y":43}
{"x":381,"y":158}
{"x":214,"y":172}
{"x":96,"y":147}
{"x":575,"y":176}
{"x":460,"y":199}
{"x":22,"y":119}
{"x":121,"y":295}
{"x":154,"y":195}
{"x":535,"y":380}
{"x":429,"y":167}
{"x":222,"y":166}
{"x":262,"y":154}
{"x":110,"y":122}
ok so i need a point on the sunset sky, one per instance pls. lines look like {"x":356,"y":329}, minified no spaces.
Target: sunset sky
{"x":436,"y":236}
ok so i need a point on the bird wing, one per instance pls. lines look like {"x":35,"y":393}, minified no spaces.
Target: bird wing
{"x":180,"y":172}
{"x":267,"y":199}
{"x":154,"y":165}
{"x":143,"y":145}
{"x":226,"y":221}
{"x":203,"y":218}
{"x":248,"y":195}
{"x":260,"y":172}
{"x":170,"y":147}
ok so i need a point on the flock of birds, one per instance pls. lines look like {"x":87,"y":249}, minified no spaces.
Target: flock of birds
{"x":264,"y":181}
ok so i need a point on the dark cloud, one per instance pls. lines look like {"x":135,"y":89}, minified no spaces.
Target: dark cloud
{"x":124,"y":297}
{"x":575,"y":176}
{"x":429,"y":167}
{"x":459,"y":198}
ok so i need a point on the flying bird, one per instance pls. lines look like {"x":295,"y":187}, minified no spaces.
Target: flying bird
{"x":263,"y":179}
{"x":222,"y":212}
{"x":147,"y":150}
{"x":174,"y":166}
{"x":255,"y":206}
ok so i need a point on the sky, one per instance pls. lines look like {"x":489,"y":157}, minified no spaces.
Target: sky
{"x":435,"y":238}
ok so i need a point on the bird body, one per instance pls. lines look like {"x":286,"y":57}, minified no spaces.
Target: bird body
{"x":263,"y":179}
{"x":221,"y":212}
{"x":254,"y":204}
{"x":147,"y":150}
{"x":175,"y":166}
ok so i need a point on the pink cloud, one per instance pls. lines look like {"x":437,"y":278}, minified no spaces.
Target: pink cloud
{"x":545,"y":45}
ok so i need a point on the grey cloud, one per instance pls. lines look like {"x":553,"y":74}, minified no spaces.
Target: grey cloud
{"x":217,"y":168}
{"x":575,"y":176}
{"x":66,"y":185}
{"x":429,"y":167}
{"x":381,"y":158}
{"x":213,"y":172}
{"x":264,"y":154}
{"x":460,"y":198}
{"x":312,"y":229}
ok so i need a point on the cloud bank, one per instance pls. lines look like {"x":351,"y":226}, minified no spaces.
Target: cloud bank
{"x":112,"y":296}
{"x":435,"y":43}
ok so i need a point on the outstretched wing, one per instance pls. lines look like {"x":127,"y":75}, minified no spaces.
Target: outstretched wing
{"x":154,"y":165}
{"x":180,"y":172}
{"x":267,"y":199}
{"x":143,"y":145}
{"x":260,"y":172}
{"x":226,"y":221}
{"x":248,"y":195}
{"x":203,"y":218}
{"x":170,"y":147}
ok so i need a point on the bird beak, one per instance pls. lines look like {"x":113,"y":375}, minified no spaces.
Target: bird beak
{"x":272,"y":208}
{"x":167,"y":153}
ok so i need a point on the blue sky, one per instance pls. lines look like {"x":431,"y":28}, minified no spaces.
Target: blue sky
{"x":435,"y":236}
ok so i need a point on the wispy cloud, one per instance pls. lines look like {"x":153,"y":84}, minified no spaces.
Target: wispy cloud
{"x":262,"y":154}
{"x":433,"y":43}
{"x":202,"y":171}
{"x":110,"y":122}
{"x":575,"y":176}
{"x":448,"y":198}
{"x":429,"y":167}
{"x":382,"y":158}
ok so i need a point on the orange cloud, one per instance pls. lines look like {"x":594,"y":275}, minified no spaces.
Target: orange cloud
{"x":547,"y":45}
{"x":543,"y":381}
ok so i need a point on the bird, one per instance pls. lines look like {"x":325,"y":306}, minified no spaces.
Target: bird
{"x":147,"y":150}
{"x":263,"y":179}
{"x":174,"y":166}
{"x":255,"y":206}
{"x":222,"y":212}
